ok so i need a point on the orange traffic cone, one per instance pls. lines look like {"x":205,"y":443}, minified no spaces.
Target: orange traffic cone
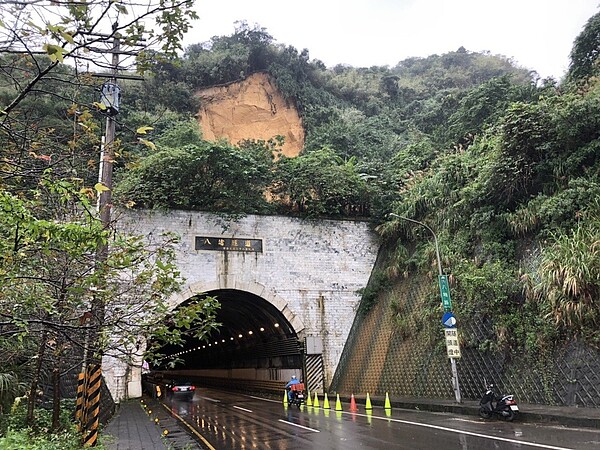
{"x":353,"y":407}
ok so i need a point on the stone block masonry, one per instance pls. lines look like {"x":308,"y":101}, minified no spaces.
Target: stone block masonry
{"x":311,"y":270}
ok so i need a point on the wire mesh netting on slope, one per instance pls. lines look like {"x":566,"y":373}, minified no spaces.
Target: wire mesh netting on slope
{"x":398,"y":347}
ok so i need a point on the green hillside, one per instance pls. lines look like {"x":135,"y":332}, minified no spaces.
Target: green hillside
{"x":504,"y":166}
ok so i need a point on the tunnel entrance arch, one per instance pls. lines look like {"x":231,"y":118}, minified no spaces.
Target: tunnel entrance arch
{"x":258,"y":290}
{"x":256,"y":339}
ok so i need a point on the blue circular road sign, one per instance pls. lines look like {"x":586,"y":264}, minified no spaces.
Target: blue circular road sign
{"x":448,"y":320}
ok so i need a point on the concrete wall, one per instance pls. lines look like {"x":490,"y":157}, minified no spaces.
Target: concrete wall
{"x":310,"y":270}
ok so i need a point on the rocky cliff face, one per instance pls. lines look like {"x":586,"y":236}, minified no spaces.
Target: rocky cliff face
{"x":250,"y":109}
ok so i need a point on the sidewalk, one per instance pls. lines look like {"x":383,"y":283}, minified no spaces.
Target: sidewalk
{"x":144,"y":424}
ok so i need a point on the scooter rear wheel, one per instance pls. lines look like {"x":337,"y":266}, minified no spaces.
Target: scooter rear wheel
{"x":485,"y":413}
{"x":508,"y":415}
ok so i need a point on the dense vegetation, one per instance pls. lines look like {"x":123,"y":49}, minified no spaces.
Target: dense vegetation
{"x":503,"y":165}
{"x":61,"y":267}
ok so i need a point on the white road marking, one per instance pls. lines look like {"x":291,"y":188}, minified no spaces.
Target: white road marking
{"x":460,"y":419}
{"x":265,"y":399}
{"x":243,"y":409}
{"x":469,"y":433}
{"x":299,"y":426}
{"x":408,"y":422}
{"x":210,"y":399}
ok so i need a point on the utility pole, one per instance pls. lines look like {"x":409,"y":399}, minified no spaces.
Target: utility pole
{"x":111,"y":99}
{"x":90,"y":379}
{"x":111,"y":94}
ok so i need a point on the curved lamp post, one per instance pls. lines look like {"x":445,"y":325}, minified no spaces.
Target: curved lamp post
{"x":455,"y":384}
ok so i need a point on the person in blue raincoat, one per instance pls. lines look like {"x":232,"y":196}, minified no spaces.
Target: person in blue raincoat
{"x":288,"y":386}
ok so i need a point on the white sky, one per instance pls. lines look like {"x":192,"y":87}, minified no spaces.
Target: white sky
{"x":536,"y":34}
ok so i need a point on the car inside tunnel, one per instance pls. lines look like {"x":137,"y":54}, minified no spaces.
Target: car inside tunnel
{"x":253,"y":334}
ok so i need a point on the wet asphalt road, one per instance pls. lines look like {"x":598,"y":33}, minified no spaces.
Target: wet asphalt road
{"x":226,"y":421}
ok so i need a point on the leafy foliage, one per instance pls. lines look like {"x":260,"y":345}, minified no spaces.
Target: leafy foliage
{"x":320,"y":183}
{"x":566,"y":280}
{"x":57,"y":276}
{"x":585,"y":52}
{"x":201,"y":176}
{"x":16,"y":434}
{"x":517,"y":173}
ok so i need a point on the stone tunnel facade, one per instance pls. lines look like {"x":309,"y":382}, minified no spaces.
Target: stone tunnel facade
{"x":310,"y":270}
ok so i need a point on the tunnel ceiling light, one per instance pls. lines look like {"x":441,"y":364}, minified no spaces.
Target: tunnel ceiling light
{"x":222,"y":340}
{"x":276,"y":325}
{"x":262,"y":329}
{"x":231,"y":338}
{"x":204,"y":346}
{"x":239,"y":335}
{"x":250,"y":332}
{"x":210,"y":345}
{"x":216,"y":342}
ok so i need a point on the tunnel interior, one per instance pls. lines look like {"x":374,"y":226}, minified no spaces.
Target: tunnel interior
{"x":253,"y":334}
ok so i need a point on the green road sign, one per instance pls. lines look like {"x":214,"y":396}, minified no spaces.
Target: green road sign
{"x":445,"y":293}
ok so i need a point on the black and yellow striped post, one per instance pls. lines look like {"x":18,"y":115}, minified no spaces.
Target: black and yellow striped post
{"x":92,"y":406}
{"x":79,"y":402}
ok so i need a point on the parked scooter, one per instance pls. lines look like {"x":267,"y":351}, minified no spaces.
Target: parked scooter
{"x":504,"y":406}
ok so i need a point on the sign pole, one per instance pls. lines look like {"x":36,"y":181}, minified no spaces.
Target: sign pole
{"x":446,"y":303}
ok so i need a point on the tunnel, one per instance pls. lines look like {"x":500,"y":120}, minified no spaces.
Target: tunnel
{"x":253,"y":334}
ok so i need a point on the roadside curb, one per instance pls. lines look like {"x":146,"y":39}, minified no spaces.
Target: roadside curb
{"x":558,"y":415}
{"x":173,"y":432}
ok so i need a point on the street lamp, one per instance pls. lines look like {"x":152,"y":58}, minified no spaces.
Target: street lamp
{"x":441,"y":277}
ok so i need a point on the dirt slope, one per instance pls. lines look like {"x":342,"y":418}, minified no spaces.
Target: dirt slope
{"x":250,"y":109}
